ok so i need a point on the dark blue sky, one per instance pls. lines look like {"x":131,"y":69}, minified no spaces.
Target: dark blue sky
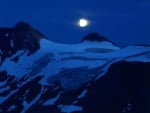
{"x":122,"y":21}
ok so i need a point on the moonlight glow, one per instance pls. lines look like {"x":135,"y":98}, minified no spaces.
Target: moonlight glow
{"x":83,"y":22}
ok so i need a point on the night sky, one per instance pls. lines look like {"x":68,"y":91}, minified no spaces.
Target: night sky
{"x":125,"y":22}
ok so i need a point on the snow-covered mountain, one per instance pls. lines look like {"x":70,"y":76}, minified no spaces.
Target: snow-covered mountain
{"x":93,"y":76}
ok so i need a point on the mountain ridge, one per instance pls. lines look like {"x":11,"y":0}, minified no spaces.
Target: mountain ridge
{"x":91,"y":76}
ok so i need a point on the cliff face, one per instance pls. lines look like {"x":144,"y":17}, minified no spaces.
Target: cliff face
{"x":123,"y":89}
{"x":20,"y":37}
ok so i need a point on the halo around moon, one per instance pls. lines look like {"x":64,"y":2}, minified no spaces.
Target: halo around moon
{"x":83,"y":22}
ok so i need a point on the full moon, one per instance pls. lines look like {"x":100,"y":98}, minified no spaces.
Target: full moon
{"x":83,"y":22}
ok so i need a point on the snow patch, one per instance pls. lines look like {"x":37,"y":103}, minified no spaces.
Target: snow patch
{"x":1,"y":52}
{"x":2,"y":83}
{"x":73,"y":78}
{"x":28,"y":105}
{"x":4,"y":89}
{"x":7,"y":34}
{"x":12,"y":107}
{"x":3,"y":99}
{"x":52,"y":100}
{"x":83,"y":93}
{"x":12,"y":43}
{"x":69,"y":108}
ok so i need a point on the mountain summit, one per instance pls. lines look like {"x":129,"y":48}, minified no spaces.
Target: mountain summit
{"x":95,"y":76}
{"x":94,"y":36}
{"x":20,"y":37}
{"x":22,"y":29}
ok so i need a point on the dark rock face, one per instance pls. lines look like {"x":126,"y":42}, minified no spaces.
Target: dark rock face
{"x":21,"y":37}
{"x":95,"y":37}
{"x":124,"y":89}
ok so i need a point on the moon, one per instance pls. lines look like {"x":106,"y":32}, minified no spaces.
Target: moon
{"x":83,"y":22}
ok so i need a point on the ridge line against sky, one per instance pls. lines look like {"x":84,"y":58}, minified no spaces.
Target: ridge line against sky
{"x":124,"y":22}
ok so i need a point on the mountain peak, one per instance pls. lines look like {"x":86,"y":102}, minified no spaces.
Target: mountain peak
{"x":23,"y":29}
{"x":94,"y":36}
{"x":20,"y":37}
{"x":22,"y":25}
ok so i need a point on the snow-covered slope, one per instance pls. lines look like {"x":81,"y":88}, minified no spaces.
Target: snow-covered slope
{"x":56,"y":78}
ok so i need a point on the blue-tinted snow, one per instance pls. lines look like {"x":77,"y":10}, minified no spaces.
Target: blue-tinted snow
{"x":3,"y":98}
{"x":2,"y":83}
{"x":4,"y":89}
{"x":12,"y":43}
{"x":7,"y":34}
{"x":83,"y":93}
{"x":27,"y":105}
{"x":12,"y":107}
{"x":1,"y":52}
{"x":69,"y":108}
{"x":144,"y":57}
{"x":128,"y":108}
{"x":52,"y":100}
{"x":52,"y":57}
